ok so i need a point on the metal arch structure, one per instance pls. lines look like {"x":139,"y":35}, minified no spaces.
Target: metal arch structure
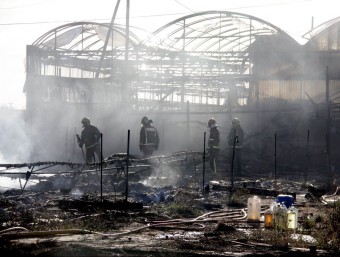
{"x":67,"y":63}
{"x":324,"y":46}
{"x":317,"y":32}
{"x":213,"y":31}
{"x":82,"y":36}
{"x":72,"y":44}
{"x":212,"y":72}
{"x":203,"y":58}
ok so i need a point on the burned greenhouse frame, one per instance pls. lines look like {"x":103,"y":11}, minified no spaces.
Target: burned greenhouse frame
{"x":213,"y":63}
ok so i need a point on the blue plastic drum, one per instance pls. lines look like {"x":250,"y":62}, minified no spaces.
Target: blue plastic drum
{"x":287,"y":200}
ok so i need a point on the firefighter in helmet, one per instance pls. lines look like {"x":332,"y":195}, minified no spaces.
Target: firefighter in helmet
{"x":235,"y":141}
{"x":148,"y":137}
{"x":90,"y":137}
{"x":213,"y":144}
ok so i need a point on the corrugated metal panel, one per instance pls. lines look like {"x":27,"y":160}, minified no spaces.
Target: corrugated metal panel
{"x":296,"y":90}
{"x":333,"y":38}
{"x":334,"y":88}
{"x":329,"y":39}
{"x":280,"y":89}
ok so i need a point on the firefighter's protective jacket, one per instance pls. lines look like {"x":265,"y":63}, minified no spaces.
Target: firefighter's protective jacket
{"x":149,"y":137}
{"x":214,"y":138}
{"x":90,"y":136}
{"x":236,"y":131}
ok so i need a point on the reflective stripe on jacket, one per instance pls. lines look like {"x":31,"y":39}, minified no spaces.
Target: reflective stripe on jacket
{"x":149,"y":136}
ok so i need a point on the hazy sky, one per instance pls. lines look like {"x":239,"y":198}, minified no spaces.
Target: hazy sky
{"x":23,"y":21}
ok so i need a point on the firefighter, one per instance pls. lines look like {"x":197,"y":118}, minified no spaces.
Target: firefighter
{"x":235,"y":141}
{"x":213,"y":144}
{"x":148,"y":137}
{"x":90,"y":137}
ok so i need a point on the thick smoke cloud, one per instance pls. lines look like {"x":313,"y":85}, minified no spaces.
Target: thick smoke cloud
{"x":15,"y":145}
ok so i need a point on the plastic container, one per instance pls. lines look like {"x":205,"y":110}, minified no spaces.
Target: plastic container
{"x":288,"y":200}
{"x":273,"y":206}
{"x":280,"y":217}
{"x":268,"y":219}
{"x":292,"y":218}
{"x":254,"y":209}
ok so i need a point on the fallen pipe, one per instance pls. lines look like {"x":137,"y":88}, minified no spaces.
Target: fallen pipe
{"x":26,"y":234}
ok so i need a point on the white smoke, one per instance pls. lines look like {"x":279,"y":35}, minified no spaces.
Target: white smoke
{"x":15,"y":146}
{"x":163,"y":176}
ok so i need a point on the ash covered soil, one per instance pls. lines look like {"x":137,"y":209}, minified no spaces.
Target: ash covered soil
{"x":166,"y":221}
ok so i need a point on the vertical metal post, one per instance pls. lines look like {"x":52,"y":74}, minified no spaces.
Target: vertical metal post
{"x":183,"y":58}
{"x":307,"y":159}
{"x":195,"y":170}
{"x":162,"y":141}
{"x":328,"y":125}
{"x":188,"y":127}
{"x":275,"y":158}
{"x":127,"y":167}
{"x":101,"y":166}
{"x":74,"y":143}
{"x":66,"y":139}
{"x":232,"y":163}
{"x":205,"y":134}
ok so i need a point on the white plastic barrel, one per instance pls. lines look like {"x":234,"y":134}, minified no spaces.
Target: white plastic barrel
{"x":254,"y":208}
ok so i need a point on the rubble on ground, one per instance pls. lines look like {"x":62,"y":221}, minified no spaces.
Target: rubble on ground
{"x":165,"y":220}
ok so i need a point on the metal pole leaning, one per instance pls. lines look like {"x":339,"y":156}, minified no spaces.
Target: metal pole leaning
{"x":28,"y":175}
{"x":205,"y":134}
{"x":127,"y":167}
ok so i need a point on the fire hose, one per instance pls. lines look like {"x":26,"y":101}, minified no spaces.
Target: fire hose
{"x":232,"y":216}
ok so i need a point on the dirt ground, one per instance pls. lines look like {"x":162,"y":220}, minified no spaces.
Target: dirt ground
{"x":166,"y":221}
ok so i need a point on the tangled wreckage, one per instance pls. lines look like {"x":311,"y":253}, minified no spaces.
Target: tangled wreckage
{"x":108,"y":176}
{"x":203,"y":65}
{"x":158,"y":205}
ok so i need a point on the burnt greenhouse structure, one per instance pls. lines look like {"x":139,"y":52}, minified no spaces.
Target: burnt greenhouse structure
{"x":210,"y":64}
